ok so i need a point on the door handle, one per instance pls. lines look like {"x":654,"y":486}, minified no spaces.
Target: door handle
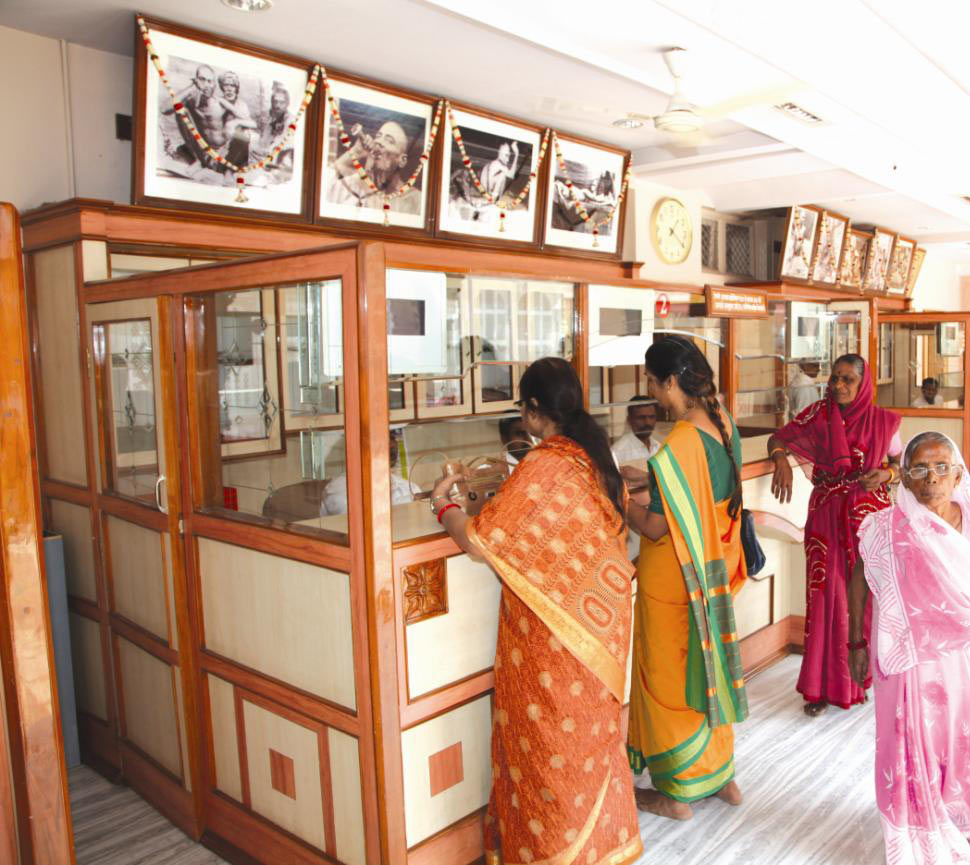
{"x":158,"y":497}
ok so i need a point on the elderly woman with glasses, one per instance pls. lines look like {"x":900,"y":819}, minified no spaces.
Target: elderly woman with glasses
{"x":915,"y":560}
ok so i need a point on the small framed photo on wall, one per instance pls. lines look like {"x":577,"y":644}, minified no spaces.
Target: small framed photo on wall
{"x":801,"y":232}
{"x":388,"y":134}
{"x":584,"y":208}
{"x":489,"y":182}
{"x":877,"y":265}
{"x":219,"y":124}
{"x":853,"y":267}
{"x":830,"y":248}
{"x":918,"y":255}
{"x":900,"y":262}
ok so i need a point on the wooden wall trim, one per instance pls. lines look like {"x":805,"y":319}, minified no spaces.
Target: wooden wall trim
{"x":159,"y":787}
{"x":459,"y":844}
{"x":25,"y":642}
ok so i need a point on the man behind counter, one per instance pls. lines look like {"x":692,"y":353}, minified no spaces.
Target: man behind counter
{"x":930,"y":396}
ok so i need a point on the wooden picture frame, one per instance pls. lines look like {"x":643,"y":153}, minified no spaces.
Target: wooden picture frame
{"x":853,"y":267}
{"x":591,"y":169}
{"x":918,"y":255}
{"x":389,"y":127}
{"x":830,"y":248}
{"x":877,"y":262}
{"x":900,"y":262}
{"x":463,"y":211}
{"x":170,"y":168}
{"x":801,"y":235}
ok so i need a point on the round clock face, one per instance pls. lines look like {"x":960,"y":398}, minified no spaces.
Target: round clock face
{"x":670,"y":230}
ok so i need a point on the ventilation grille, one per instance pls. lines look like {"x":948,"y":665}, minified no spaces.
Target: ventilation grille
{"x":737,"y":249}
{"x":796,"y":112}
{"x":709,"y":244}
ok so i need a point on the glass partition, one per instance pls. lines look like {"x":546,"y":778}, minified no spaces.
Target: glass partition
{"x":266,"y":373}
{"x":456,"y":346}
{"x":921,"y":364}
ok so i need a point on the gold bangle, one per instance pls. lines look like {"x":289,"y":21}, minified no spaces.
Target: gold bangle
{"x":893,"y":475}
{"x":771,"y":455}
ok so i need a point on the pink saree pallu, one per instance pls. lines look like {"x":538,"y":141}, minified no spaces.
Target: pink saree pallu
{"x":918,"y":568}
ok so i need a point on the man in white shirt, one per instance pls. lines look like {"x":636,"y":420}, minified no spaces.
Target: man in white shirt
{"x":636,"y":446}
{"x":804,"y":389}
{"x":335,"y":495}
{"x":930,"y":397}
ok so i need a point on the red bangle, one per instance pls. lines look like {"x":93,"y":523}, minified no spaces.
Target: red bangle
{"x":858,"y":644}
{"x":442,"y":511}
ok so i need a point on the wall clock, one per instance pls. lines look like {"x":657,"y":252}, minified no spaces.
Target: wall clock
{"x":670,"y":230}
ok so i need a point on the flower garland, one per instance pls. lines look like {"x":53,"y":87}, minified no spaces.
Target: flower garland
{"x":580,"y":209}
{"x":466,"y":161}
{"x":345,"y":139}
{"x":215,"y":155}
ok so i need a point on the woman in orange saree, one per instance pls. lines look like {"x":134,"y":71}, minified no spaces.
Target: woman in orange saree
{"x":687,"y":686}
{"x":555,"y":536}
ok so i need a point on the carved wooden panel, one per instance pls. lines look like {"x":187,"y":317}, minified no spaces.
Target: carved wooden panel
{"x":425,"y":590}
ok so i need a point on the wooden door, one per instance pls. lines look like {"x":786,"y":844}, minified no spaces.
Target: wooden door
{"x":137,"y":513}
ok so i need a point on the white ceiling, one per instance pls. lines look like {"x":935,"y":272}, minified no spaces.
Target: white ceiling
{"x":891,"y":82}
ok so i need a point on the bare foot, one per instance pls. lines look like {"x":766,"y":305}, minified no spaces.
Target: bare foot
{"x":655,"y":802}
{"x":817,"y":708}
{"x":730,"y":793}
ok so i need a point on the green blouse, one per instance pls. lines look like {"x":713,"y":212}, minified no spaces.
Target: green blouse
{"x":722,"y":478}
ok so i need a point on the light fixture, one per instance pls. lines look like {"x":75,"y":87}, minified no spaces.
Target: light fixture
{"x":248,"y":5}
{"x":627,"y":123}
{"x":796,"y":112}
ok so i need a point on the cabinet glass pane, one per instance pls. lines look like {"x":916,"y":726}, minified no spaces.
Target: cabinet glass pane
{"x":125,"y":347}
{"x":921,"y":365}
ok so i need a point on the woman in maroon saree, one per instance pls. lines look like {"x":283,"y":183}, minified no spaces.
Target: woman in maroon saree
{"x":854,"y":447}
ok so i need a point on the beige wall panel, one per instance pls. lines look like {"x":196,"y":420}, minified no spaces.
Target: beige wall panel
{"x":752,"y":605}
{"x":173,"y":637}
{"x":139,"y":574}
{"x":89,"y":672}
{"x":60,"y":364}
{"x":149,"y":704}
{"x":348,"y":810}
{"x":94,"y":260}
{"x":287,"y":619}
{"x":303,"y":816}
{"x":911,"y":426}
{"x":758,"y":497}
{"x":183,"y":738}
{"x":123,"y":265}
{"x":225,"y":744}
{"x":797,"y":581}
{"x":471,"y":725}
{"x":73,"y":523}
{"x":460,"y":642}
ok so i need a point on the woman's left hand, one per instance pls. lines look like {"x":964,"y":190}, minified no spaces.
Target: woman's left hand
{"x":874,"y":478}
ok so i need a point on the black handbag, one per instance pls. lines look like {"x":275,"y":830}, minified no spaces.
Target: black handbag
{"x":754,"y":556}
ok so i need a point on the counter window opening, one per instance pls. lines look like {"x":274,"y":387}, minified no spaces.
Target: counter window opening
{"x":921,"y":365}
{"x":456,"y":347}
{"x":265,"y":373}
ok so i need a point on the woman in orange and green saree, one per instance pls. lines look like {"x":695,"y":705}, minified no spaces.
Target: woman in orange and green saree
{"x":687,"y":687}
{"x":555,"y":535}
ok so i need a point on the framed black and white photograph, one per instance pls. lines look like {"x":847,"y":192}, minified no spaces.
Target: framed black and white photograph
{"x":583,"y":195}
{"x":503,"y":157}
{"x":387,"y":133}
{"x":877,"y":265}
{"x":801,"y":233}
{"x":220,"y":107}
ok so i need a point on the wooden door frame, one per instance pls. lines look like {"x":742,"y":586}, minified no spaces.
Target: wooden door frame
{"x":39,"y":794}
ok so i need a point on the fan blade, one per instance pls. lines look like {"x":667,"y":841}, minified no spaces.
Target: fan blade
{"x":755,"y":98}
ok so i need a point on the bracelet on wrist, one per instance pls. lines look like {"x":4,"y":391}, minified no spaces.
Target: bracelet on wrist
{"x":444,"y":510}
{"x":771,"y":454}
{"x":858,"y":644}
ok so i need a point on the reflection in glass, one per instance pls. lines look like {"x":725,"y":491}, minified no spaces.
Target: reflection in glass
{"x":134,"y":457}
{"x":921,"y":364}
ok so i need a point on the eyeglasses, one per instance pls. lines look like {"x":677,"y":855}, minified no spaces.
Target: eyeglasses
{"x":941,"y":470}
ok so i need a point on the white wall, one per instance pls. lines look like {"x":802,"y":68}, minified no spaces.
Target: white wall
{"x":36,"y":151}
{"x":941,"y":284}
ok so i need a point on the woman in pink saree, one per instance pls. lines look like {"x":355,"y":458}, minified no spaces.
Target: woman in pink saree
{"x":915,"y":559}
{"x":854,"y":447}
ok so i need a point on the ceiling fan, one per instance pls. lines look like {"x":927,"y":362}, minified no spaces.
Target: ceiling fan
{"x":684,"y":119}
